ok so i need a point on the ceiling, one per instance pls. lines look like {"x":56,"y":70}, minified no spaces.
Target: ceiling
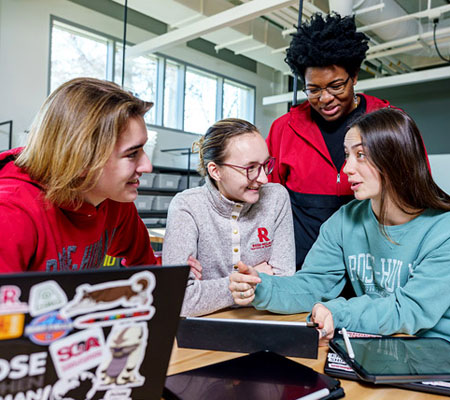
{"x":400,"y":31}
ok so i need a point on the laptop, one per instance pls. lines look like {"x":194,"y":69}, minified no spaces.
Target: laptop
{"x":97,"y":334}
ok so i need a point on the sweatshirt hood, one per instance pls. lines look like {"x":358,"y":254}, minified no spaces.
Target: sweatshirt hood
{"x":8,"y":170}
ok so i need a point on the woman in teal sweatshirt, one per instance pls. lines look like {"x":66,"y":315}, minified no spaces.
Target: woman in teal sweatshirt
{"x":393,"y":243}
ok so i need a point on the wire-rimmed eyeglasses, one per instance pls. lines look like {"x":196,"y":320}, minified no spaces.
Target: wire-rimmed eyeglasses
{"x":334,"y":89}
{"x":254,"y":170}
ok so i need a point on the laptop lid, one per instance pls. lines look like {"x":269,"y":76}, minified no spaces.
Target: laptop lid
{"x":97,"y":334}
{"x":261,"y":376}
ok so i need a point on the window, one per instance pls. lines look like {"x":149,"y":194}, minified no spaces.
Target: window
{"x":186,"y":98}
{"x":238,"y":101}
{"x":140,"y":78}
{"x":173,"y":99}
{"x":199,"y":101}
{"x":75,"y":53}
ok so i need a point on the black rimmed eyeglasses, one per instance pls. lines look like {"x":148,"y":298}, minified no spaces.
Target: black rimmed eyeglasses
{"x":333,"y":89}
{"x":254,"y":170}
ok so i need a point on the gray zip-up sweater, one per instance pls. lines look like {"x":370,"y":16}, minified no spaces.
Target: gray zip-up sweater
{"x":219,"y":233}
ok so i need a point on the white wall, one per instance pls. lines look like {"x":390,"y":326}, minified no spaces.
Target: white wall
{"x":24,"y":65}
{"x":440,"y":164}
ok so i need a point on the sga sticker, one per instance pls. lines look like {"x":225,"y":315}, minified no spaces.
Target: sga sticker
{"x":11,"y":326}
{"x":79,"y":352}
{"x":47,"y":328}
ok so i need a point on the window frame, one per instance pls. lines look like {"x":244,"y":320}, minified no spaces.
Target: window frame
{"x":112,"y":42}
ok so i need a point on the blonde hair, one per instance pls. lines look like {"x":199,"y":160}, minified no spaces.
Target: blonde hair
{"x":74,"y":134}
{"x":212,"y":147}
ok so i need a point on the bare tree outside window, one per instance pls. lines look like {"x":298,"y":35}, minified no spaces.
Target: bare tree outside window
{"x":140,"y":78}
{"x":172,"y":93}
{"x":237,"y":101}
{"x":199,"y":101}
{"x":189,"y":96}
{"x":74,"y":55}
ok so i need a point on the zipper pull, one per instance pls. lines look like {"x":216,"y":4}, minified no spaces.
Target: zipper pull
{"x":338,"y":178}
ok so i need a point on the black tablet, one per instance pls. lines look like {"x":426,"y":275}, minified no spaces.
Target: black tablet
{"x":287,"y":338}
{"x":397,"y":359}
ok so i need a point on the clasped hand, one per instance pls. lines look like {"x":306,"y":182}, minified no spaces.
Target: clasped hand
{"x":243,"y":283}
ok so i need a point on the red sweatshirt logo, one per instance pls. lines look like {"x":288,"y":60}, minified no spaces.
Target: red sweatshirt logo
{"x":264,"y":240}
{"x":262,"y":235}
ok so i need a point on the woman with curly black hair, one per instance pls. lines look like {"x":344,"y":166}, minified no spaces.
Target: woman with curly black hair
{"x":307,"y":142}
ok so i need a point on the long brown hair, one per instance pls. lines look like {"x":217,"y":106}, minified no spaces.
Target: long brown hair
{"x":74,"y":134}
{"x":212,"y":147}
{"x":395,"y":147}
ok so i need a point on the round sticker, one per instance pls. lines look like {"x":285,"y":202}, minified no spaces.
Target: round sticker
{"x":47,"y":328}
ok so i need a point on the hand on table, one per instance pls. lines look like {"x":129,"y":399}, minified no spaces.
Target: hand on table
{"x":322,"y":316}
{"x":196,"y":267}
{"x":243,"y":284}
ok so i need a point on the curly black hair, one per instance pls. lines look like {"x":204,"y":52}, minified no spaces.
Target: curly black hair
{"x":332,"y":40}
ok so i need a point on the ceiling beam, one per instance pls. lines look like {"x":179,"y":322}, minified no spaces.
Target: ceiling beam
{"x":375,"y":83}
{"x":233,"y":16}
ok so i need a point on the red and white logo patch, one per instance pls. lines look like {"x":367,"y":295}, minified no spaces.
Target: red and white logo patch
{"x":79,"y":352}
{"x":263,"y":239}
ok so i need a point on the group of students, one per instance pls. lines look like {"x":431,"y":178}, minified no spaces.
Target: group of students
{"x":66,"y":199}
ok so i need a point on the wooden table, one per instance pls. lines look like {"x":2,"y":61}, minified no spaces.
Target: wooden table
{"x":186,"y":359}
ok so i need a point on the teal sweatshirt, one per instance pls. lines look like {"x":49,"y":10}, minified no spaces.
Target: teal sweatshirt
{"x":400,"y":288}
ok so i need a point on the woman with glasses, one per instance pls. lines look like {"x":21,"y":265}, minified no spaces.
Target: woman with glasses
{"x":235,"y":216}
{"x":307,"y":142}
{"x":392,"y":243}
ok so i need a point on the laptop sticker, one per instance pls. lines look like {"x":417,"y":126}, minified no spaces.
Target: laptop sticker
{"x":9,"y":300}
{"x":79,"y":387}
{"x":46,"y":296}
{"x":126,"y":346}
{"x":41,"y":393}
{"x":11,"y":326}
{"x":112,"y":317}
{"x":23,"y":365}
{"x":47,"y":328}
{"x":23,"y":377}
{"x":118,"y":394}
{"x":133,"y":292}
{"x":78,"y":352}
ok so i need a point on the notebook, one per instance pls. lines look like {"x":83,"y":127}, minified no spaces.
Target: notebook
{"x":287,"y":338}
{"x":263,"y":375}
{"x":96,"y":334}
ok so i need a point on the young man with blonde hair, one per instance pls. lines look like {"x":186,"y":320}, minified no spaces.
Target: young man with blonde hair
{"x":66,"y":198}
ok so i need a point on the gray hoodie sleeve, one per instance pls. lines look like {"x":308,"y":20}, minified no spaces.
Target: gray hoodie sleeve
{"x":282,"y":258}
{"x":180,"y":241}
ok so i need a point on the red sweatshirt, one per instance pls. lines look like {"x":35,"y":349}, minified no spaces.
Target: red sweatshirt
{"x":36,"y":235}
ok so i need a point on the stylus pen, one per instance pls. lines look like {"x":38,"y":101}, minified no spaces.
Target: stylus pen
{"x":348,"y":345}
{"x":320,"y":394}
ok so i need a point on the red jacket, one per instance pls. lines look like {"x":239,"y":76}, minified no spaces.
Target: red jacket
{"x":38,"y":236}
{"x":304,"y":166}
